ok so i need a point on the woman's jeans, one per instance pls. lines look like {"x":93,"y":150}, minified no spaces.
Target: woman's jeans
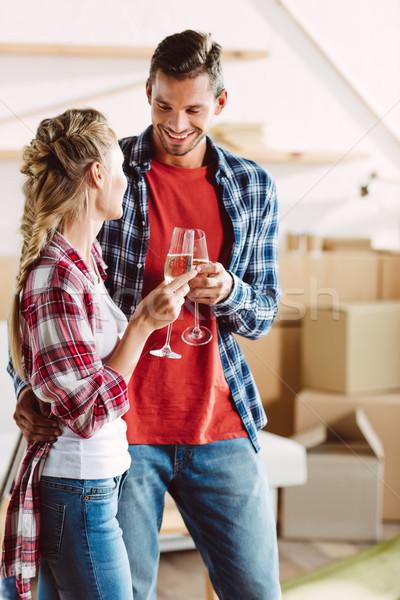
{"x":82,"y":554}
{"x":8,"y":589}
{"x":222,"y":493}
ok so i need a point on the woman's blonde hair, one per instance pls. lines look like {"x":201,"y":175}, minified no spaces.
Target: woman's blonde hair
{"x":56,"y":165}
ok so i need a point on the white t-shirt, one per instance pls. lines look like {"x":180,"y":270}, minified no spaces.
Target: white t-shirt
{"x":105,"y":454}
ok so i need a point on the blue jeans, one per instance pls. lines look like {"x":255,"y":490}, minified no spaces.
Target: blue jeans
{"x":222,"y":493}
{"x":8,"y":589}
{"x":82,"y":554}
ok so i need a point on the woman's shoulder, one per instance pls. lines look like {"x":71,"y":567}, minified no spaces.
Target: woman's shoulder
{"x":55,"y":271}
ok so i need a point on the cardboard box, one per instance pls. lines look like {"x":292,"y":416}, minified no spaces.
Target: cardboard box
{"x":325,"y":279}
{"x":274,"y":361}
{"x":354,"y":348}
{"x":383,"y":411}
{"x":342,"y":498}
{"x":341,"y":244}
{"x":389,"y":276}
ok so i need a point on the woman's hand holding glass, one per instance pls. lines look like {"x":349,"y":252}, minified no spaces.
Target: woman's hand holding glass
{"x":179,"y":260}
{"x":162,"y":306}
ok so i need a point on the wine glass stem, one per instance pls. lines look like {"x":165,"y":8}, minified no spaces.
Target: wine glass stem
{"x":196,"y":318}
{"x":168,"y":340}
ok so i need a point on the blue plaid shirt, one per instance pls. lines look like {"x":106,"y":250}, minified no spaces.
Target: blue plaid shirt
{"x":249,"y":196}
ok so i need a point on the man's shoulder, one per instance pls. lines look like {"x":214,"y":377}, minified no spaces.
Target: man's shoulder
{"x":137,"y":148}
{"x":238,"y":166}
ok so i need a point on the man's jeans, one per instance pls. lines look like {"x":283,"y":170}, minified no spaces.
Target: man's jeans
{"x":82,"y":554}
{"x":222,"y":493}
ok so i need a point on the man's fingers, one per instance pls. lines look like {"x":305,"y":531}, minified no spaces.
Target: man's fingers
{"x":36,"y":434}
{"x":210,"y":268}
{"x":36,"y":422}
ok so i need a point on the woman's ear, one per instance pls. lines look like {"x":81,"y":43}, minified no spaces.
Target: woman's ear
{"x":96,"y":175}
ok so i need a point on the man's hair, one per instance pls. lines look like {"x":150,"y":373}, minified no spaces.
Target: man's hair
{"x":187,"y":55}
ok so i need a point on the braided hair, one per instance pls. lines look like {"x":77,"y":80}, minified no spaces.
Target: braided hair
{"x":56,"y":165}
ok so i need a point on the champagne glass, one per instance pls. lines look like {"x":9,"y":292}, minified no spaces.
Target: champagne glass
{"x":178,"y":261}
{"x":198,"y":335}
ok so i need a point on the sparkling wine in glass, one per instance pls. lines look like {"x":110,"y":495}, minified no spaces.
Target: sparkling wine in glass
{"x":198,"y":335}
{"x":178,"y":261}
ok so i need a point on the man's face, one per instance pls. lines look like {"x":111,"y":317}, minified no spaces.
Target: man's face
{"x":182,"y":113}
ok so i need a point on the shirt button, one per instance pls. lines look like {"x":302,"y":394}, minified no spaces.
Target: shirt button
{"x":143,"y":222}
{"x":139,"y":265}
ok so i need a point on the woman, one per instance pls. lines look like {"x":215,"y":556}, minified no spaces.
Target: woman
{"x":72,"y":344}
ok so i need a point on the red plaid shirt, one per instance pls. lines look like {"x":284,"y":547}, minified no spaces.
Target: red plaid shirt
{"x":60,"y":321}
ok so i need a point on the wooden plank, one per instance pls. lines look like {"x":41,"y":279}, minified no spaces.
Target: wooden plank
{"x":10,"y":154}
{"x":81,"y":101}
{"x":264,"y":155}
{"x":76,"y":50}
{"x":143,"y":52}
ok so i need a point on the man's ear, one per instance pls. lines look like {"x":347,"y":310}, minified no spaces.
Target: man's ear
{"x":221,"y":102}
{"x":96,"y":175}
{"x":148,"y":91}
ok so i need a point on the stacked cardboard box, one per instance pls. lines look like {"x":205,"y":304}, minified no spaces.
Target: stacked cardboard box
{"x":274,"y":362}
{"x":389,"y":276}
{"x":342,"y":498}
{"x":357,"y":357}
{"x":350,"y":360}
{"x":314,"y":407}
{"x":352,"y":348}
{"x":326,"y":279}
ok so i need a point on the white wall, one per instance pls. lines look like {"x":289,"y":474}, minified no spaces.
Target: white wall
{"x":303,"y":104}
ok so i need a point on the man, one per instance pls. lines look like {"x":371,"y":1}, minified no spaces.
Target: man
{"x":192,"y":425}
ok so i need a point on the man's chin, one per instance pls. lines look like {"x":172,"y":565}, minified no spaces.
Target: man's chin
{"x":178,"y":149}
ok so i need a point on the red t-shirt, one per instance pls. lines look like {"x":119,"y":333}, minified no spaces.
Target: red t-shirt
{"x":188,"y":400}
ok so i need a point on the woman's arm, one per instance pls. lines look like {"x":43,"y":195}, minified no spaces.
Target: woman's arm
{"x":66,"y":369}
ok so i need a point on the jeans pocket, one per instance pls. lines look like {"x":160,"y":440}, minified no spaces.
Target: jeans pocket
{"x":51,"y":528}
{"x":104,"y":490}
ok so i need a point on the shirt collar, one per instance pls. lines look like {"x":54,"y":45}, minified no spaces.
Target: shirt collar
{"x":65,"y":248}
{"x":141,"y":154}
{"x":141,"y":150}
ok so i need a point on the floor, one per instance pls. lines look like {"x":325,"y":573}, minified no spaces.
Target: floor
{"x":181,"y":575}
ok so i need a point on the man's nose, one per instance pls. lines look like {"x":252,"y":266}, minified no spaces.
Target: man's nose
{"x":179,"y":122}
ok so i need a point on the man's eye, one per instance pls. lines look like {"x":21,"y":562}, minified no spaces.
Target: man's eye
{"x":191,"y":111}
{"x":161,"y":107}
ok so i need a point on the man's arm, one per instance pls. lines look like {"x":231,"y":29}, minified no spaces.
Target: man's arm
{"x":245,"y":299}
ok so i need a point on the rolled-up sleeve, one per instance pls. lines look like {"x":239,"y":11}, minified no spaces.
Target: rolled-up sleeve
{"x":66,"y":369}
{"x":251,"y":307}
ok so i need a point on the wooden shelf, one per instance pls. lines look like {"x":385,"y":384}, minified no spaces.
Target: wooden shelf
{"x":10,"y":154}
{"x":262,"y":154}
{"x":144,"y":52}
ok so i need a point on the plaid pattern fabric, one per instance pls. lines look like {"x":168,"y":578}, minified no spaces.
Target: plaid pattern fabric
{"x":60,"y":319}
{"x":249,"y":196}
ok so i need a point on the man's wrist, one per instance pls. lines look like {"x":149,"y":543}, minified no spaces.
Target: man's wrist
{"x":228,"y":287}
